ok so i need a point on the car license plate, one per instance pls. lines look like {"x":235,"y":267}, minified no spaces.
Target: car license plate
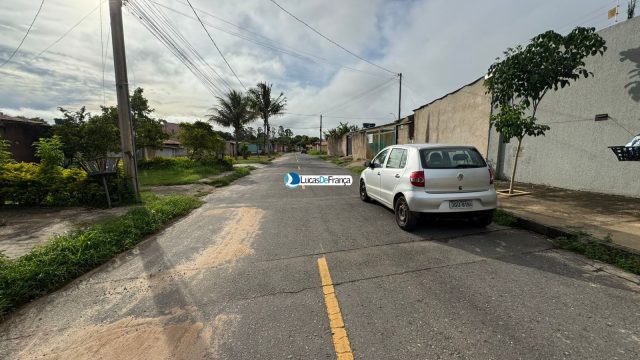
{"x":460,"y":204}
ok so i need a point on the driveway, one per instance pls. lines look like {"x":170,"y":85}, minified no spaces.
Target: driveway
{"x":258,"y":271}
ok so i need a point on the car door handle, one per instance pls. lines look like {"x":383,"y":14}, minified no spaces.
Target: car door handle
{"x":378,"y":172}
{"x":397,"y":176}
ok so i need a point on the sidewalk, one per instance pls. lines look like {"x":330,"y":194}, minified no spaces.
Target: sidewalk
{"x":597,"y":214}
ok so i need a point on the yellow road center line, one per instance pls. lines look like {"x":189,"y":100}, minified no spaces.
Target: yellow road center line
{"x":338,"y":331}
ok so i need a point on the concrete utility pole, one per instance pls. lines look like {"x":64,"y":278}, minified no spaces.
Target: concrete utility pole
{"x":127,"y":139}
{"x":320,"y":141}
{"x":399,"y":95}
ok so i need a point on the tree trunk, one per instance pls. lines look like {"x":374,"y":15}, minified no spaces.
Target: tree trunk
{"x":515,"y":165}
{"x":235,"y":145}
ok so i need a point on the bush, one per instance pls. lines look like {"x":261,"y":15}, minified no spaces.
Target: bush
{"x":53,"y":264}
{"x":229,"y":160}
{"x":27,"y":184}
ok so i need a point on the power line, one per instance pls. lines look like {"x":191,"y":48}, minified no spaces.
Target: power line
{"x":267,"y":42}
{"x":101,"y":51}
{"x":165,"y":31}
{"x":68,"y":31}
{"x":359,"y":96}
{"x":216,"y":45}
{"x":25,"y":36}
{"x":331,"y":41}
{"x":338,"y":117}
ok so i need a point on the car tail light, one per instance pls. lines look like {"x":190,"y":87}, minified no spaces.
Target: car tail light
{"x":417,"y":178}
{"x":490,"y":176}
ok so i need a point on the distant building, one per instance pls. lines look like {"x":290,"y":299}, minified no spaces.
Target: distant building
{"x":22,"y":133}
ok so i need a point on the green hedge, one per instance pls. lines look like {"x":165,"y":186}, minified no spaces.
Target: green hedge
{"x":53,"y":264}
{"x":29,"y":184}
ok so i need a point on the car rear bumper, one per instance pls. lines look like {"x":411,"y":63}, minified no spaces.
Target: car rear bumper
{"x":421,"y":201}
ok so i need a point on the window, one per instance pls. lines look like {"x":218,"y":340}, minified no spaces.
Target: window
{"x":397,"y":158}
{"x":379,"y":160}
{"x":451,"y":158}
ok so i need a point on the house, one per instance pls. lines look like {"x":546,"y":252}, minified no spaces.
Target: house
{"x":170,"y":147}
{"x":22,"y":133}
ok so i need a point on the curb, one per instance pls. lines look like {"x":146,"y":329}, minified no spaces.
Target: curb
{"x":554,"y":232}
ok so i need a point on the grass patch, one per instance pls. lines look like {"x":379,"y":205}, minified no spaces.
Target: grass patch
{"x":255,"y":160}
{"x":356,"y":169}
{"x":597,"y":250}
{"x":228,"y":179}
{"x":53,"y":264}
{"x":178,"y":171}
{"x":503,"y":218}
{"x":316,"y":152}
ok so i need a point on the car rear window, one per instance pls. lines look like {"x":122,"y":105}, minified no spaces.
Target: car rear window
{"x":451,"y":158}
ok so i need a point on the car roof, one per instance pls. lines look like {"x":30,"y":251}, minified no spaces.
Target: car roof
{"x":432,"y":145}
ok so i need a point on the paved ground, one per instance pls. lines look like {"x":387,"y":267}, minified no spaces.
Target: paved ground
{"x":23,"y":229}
{"x":598,"y":214}
{"x":239,"y":278}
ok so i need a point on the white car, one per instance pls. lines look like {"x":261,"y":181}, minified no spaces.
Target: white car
{"x":430,"y":178}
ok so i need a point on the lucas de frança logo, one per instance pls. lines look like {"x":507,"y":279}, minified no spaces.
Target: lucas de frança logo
{"x":292,"y":180}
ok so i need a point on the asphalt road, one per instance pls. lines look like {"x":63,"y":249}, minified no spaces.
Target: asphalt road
{"x":239,"y":278}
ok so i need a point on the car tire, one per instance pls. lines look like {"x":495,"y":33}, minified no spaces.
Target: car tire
{"x":405,"y":218}
{"x":484,"y":219}
{"x":363,"y":192}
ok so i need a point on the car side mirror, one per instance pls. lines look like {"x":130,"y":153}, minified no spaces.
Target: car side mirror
{"x":368,"y":164}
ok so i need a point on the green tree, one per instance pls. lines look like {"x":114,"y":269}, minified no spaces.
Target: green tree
{"x":233,"y":111}
{"x":5,"y":152}
{"x":342,"y":129}
{"x":49,"y":150}
{"x":69,"y":128}
{"x":149,"y":131}
{"x":520,"y":80}
{"x":101,"y":134}
{"x":200,"y":140}
{"x":266,"y":106}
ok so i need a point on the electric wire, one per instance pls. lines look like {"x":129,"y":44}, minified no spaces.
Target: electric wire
{"x":67,"y":32}
{"x":331,"y":41}
{"x":24,"y":37}
{"x":216,"y":45}
{"x":359,"y":96}
{"x":102,"y":51}
{"x":165,"y":31}
{"x":268,"y":43}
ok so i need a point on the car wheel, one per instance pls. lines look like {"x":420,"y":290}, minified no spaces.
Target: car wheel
{"x":484,"y":219}
{"x":405,"y":218}
{"x":363,"y":192}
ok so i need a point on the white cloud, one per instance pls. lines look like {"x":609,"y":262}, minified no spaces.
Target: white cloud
{"x":438,"y":45}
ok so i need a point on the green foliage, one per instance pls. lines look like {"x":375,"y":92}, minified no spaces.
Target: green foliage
{"x":504,"y":218}
{"x":200,"y":140}
{"x":512,"y":123}
{"x":178,"y":171}
{"x":342,"y":129}
{"x":5,"y":152}
{"x":53,"y":264}
{"x":518,"y":82}
{"x":317,"y":152}
{"x":234,"y":111}
{"x":26,"y":184}
{"x":49,"y":150}
{"x":549,"y":61}
{"x":228,"y":179}
{"x":149,"y":131}
{"x":244,"y":150}
{"x":266,"y":106}
{"x":85,"y":136}
{"x":600,"y":251}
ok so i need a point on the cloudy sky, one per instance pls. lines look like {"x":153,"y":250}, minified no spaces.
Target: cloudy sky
{"x":437,"y":45}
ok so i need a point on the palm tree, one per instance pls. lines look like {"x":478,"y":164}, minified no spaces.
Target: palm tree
{"x":233,"y":110}
{"x":266,"y":106}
